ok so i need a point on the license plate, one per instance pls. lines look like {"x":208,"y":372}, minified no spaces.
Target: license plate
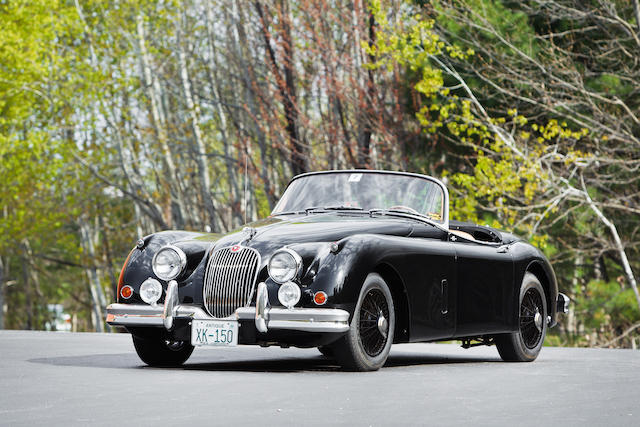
{"x":214,"y":332}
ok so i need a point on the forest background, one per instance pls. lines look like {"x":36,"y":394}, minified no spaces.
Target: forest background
{"x":125,"y":117}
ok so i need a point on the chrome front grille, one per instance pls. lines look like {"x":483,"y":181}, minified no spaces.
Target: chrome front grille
{"x":229,"y":280}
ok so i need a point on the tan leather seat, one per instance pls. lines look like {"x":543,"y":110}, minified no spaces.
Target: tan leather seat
{"x":462,"y":234}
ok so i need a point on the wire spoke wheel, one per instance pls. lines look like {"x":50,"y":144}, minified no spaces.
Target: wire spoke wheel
{"x":373,"y":324}
{"x":366,"y":345}
{"x":524,"y":344}
{"x":531,"y":318}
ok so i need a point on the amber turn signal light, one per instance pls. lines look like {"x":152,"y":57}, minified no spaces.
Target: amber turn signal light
{"x":320,"y":298}
{"x":126,"y":292}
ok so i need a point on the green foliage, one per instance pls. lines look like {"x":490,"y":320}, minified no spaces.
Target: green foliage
{"x":509,"y":23}
{"x":500,"y":172}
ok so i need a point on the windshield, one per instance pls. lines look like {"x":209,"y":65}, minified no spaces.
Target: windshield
{"x":364,"y":190}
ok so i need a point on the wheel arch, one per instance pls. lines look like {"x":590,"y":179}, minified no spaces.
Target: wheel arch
{"x":548,"y":284}
{"x":400,"y":300}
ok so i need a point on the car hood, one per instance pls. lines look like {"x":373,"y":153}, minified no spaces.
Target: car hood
{"x":274,"y":232}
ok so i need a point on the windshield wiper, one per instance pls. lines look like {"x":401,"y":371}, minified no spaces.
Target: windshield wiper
{"x":332,"y":208}
{"x":406,"y":214}
{"x":289,"y":213}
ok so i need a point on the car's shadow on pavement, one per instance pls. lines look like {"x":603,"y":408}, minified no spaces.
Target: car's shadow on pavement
{"x":270,"y":364}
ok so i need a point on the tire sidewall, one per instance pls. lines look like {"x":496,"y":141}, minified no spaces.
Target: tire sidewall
{"x":373,"y":281}
{"x":531,"y":282}
{"x":156,"y":352}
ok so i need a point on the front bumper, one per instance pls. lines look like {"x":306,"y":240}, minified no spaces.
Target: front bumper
{"x":264,"y":316}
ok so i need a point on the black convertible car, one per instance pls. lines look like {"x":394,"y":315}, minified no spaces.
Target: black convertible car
{"x":349,"y":262}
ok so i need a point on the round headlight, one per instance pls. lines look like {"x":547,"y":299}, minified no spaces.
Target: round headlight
{"x":150,"y":291}
{"x":169,"y":262}
{"x":284,"y":265}
{"x":289,"y":294}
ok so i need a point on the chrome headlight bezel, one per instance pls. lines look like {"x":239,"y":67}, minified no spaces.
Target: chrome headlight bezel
{"x":295,"y":270}
{"x":182,"y":260}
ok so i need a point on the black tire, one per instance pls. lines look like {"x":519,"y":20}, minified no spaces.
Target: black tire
{"x":162,"y":353}
{"x":365,"y":347}
{"x":525,"y":344}
{"x":326,"y":351}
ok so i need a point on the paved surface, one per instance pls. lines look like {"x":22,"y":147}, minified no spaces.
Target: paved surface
{"x":97,"y":379}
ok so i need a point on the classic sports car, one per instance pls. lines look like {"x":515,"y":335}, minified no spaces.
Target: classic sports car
{"x":349,"y":262}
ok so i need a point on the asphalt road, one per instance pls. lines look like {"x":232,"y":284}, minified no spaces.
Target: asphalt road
{"x":97,"y":379}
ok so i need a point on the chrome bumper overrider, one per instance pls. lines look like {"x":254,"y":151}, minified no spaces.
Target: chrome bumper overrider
{"x":562,"y":305}
{"x":265,"y":317}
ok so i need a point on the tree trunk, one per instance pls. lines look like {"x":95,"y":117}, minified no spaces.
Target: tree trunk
{"x":214,"y":83}
{"x":1,"y":294}
{"x":617,"y":242}
{"x":201,"y":151}
{"x":153,"y":89}
{"x":108,"y":259}
{"x":571,"y":317}
{"x":364,"y":116}
{"x":27,"y":283}
{"x":286,"y":86}
{"x":98,"y":300}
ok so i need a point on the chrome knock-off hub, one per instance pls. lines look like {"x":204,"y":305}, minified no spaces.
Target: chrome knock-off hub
{"x":537,"y":319}
{"x":383,"y":325}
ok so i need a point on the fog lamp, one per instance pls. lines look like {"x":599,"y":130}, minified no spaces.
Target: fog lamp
{"x":289,"y":294}
{"x":150,"y":291}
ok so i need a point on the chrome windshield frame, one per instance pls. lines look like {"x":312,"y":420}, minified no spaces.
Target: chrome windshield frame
{"x":445,"y":192}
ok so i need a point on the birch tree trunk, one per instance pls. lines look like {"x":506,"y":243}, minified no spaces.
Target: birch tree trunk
{"x":616,"y":239}
{"x":98,"y":300}
{"x":27,"y":283}
{"x":572,"y":329}
{"x":214,"y":83}
{"x":1,"y":294}
{"x":153,"y":90}
{"x":201,"y":156}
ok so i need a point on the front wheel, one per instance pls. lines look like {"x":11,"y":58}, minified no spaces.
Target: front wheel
{"x":162,"y":353}
{"x":366,"y":346}
{"x":525,"y":344}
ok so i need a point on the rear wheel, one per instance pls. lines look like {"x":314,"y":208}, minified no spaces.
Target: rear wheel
{"x":525,"y":344}
{"x":162,"y":353}
{"x":366,"y":345}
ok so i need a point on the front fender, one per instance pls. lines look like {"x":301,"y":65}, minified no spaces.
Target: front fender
{"x":341,"y":273}
{"x":139,"y":267}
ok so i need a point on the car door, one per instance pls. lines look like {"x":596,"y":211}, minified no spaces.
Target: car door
{"x":432,"y":293}
{"x":485,"y":288}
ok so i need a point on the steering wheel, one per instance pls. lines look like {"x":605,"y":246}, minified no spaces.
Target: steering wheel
{"x":405,"y":208}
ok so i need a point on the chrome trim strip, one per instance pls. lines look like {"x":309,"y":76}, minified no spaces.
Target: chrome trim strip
{"x":308,"y":326}
{"x":297,"y":319}
{"x":134,"y":315}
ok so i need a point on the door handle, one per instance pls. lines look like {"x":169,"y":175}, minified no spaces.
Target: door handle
{"x":444,"y":288}
{"x":503,"y":249}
